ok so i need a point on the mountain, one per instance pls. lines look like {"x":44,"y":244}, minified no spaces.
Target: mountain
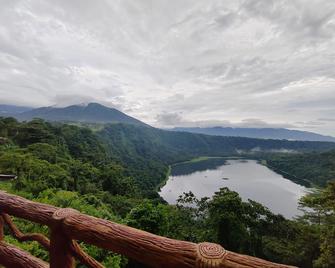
{"x":147,"y":151}
{"x":10,"y":110}
{"x":90,"y":113}
{"x":259,"y":133}
{"x":153,"y":142}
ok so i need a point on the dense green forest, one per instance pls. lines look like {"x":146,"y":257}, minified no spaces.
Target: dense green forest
{"x":314,"y":168}
{"x":148,"y":151}
{"x":112,"y":173}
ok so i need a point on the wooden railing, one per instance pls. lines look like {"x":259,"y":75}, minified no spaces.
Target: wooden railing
{"x":67,"y":226}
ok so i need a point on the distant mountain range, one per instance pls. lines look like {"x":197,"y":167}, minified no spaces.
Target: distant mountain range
{"x":260,"y":133}
{"x":9,"y":110}
{"x":97,"y":113}
{"x":90,"y":113}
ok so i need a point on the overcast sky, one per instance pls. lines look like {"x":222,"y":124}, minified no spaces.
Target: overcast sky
{"x":175,"y":62}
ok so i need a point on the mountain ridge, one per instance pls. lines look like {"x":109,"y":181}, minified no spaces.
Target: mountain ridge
{"x":90,"y":113}
{"x":259,"y":133}
{"x":97,"y":113}
{"x":8,"y":109}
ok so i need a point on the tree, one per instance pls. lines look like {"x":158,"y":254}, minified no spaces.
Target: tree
{"x":321,"y":205}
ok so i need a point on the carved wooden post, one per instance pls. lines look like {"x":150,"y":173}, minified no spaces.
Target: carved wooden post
{"x":210,"y":255}
{"x":60,"y":243}
{"x":147,"y":248}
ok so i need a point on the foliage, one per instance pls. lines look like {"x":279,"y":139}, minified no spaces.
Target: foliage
{"x":113,"y":173}
{"x":321,"y":212}
{"x":316,"y":168}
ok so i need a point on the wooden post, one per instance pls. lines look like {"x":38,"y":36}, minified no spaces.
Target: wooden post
{"x":60,"y":244}
{"x":147,"y":248}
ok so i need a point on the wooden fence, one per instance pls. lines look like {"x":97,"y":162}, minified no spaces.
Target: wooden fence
{"x":67,"y":226}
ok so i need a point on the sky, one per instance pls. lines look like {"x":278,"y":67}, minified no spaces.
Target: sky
{"x":250,"y":63}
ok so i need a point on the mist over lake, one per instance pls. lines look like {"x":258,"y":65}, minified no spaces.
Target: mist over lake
{"x":247,"y":177}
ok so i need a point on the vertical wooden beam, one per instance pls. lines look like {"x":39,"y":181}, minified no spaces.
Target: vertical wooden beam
{"x":60,"y":243}
{"x":60,"y":249}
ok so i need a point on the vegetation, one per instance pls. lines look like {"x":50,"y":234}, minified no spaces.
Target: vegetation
{"x":112,"y":174}
{"x":315,"y":168}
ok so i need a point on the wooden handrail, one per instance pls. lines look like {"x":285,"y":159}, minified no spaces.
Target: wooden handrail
{"x":68,"y":224}
{"x":13,"y":257}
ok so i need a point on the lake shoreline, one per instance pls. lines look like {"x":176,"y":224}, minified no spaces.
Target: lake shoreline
{"x":192,"y":160}
{"x":302,"y":182}
{"x":248,"y":177}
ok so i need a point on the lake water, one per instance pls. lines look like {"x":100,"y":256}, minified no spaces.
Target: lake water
{"x":247,"y":177}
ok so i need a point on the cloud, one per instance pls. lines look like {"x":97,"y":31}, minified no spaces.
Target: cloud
{"x":177,"y":120}
{"x":204,"y":61}
{"x":169,"y":119}
{"x":327,"y":119}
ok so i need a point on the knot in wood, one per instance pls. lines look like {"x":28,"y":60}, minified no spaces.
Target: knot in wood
{"x":210,"y":255}
{"x":62,"y":213}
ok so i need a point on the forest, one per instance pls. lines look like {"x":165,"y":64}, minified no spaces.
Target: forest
{"x":113,"y":173}
{"x":316,"y":168}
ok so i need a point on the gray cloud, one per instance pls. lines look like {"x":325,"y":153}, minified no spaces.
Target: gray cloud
{"x":327,"y":119}
{"x":170,"y":119}
{"x":177,"y":120}
{"x":208,"y":62}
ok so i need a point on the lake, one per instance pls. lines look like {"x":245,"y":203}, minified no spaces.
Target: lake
{"x":249,"y":178}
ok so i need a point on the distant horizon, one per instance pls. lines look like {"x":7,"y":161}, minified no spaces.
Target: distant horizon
{"x":246,"y":63}
{"x":187,"y":125}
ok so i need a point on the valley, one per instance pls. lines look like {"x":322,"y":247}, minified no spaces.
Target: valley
{"x":114,"y":171}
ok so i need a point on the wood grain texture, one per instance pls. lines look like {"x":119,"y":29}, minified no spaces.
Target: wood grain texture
{"x":76,"y":250}
{"x":26,"y":209}
{"x":44,"y":241}
{"x":235,"y":260}
{"x":147,"y":248}
{"x":12,"y":257}
{"x":60,"y":250}
{"x":83,"y":257}
{"x":142,"y":246}
{"x":60,"y":244}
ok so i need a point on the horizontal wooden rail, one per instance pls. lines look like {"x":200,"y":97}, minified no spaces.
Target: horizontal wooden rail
{"x":155,"y":251}
{"x":13,"y":257}
{"x":24,"y":237}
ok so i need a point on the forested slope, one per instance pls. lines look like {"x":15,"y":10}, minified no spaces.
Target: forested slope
{"x":317,"y":168}
{"x":148,"y":151}
{"x":97,"y":174}
{"x":167,"y":144}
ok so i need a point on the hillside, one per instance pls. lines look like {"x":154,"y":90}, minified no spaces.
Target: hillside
{"x":112,"y":174}
{"x":144,"y":153}
{"x":317,"y":168}
{"x":90,"y":113}
{"x":259,"y":133}
{"x":151,"y":150}
{"x":153,"y":142}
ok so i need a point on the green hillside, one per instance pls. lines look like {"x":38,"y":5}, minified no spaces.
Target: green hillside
{"x":112,"y":174}
{"x":316,"y":168}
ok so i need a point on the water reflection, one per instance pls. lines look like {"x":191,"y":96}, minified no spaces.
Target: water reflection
{"x":247,"y":177}
{"x":191,"y":167}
